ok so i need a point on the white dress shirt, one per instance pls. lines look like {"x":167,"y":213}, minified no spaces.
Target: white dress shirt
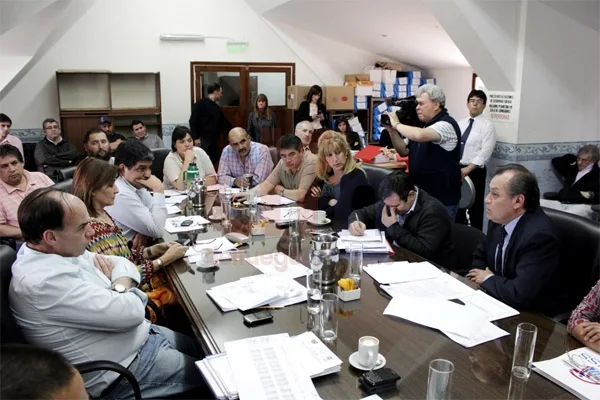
{"x":480,"y":143}
{"x":136,"y":210}
{"x":66,"y":304}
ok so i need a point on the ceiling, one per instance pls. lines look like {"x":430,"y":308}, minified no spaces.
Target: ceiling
{"x":403,"y":30}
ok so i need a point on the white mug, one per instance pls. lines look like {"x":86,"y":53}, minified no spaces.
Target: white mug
{"x":207,"y":257}
{"x":217,"y":211}
{"x":368,"y":351}
{"x":320,"y":216}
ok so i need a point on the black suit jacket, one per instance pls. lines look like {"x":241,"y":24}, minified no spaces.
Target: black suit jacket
{"x":531,"y":265}
{"x":566,"y":166}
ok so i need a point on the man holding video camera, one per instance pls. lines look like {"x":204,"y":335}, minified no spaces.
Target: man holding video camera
{"x":434,"y":148}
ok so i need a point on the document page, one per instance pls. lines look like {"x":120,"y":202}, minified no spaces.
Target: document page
{"x":403,"y":271}
{"x":278,"y":264}
{"x":494,"y":309}
{"x":443,"y":287}
{"x":488,"y":332}
{"x":371,"y":235}
{"x":274,"y":200}
{"x":316,"y":358}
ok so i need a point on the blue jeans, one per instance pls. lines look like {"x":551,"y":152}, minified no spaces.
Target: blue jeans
{"x":164,"y":366}
{"x":452,"y":210}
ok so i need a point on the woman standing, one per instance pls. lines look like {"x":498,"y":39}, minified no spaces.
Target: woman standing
{"x":312,"y":109}
{"x":261,"y":118}
{"x":342,"y":126}
{"x":183,"y":152}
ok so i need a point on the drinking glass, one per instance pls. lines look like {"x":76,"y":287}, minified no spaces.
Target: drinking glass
{"x":439,"y":382}
{"x":356,"y":262}
{"x":524,"y":347}
{"x":313,"y":293}
{"x":294,"y":226}
{"x":329,"y":317}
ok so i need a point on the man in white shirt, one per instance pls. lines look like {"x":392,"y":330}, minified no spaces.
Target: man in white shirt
{"x":87,"y":306}
{"x":478,"y":139}
{"x":140,"y":214}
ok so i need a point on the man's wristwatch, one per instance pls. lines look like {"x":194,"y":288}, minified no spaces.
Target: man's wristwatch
{"x":119,"y":288}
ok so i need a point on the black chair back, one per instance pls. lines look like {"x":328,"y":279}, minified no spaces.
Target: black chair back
{"x":579,"y":253}
{"x":274,"y":154}
{"x":159,"y":162}
{"x":10,"y":333}
{"x":63,"y":174}
{"x":376,"y":175}
{"x":29,"y":150}
{"x":65,"y":186}
{"x":465,"y":240}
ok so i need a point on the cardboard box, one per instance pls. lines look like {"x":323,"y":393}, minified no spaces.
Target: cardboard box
{"x":376,"y":75}
{"x":388,"y":76}
{"x":363,"y":91}
{"x":356,"y":77}
{"x":339,"y":97}
{"x":361,"y":105}
{"x":402,"y":81}
{"x":296,"y":95}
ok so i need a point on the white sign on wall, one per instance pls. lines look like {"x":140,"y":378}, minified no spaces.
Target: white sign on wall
{"x":501,"y":106}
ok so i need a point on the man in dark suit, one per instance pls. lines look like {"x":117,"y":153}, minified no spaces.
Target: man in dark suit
{"x":518,"y":262}
{"x":410,"y":217}
{"x":581,"y":177}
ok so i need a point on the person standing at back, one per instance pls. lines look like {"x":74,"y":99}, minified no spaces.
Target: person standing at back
{"x":260,"y":118}
{"x":313,"y":110}
{"x":478,"y":138}
{"x":208,"y":122}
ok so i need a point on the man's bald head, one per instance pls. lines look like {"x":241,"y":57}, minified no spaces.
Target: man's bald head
{"x":239,"y":140}
{"x":304,"y":131}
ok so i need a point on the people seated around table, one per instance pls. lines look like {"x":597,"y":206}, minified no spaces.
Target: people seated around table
{"x":304,"y":131}
{"x":581,"y":179}
{"x":138,"y":130}
{"x":29,"y":372}
{"x":87,"y":306}
{"x":183,"y":153}
{"x":5,"y":136}
{"x":518,"y":261}
{"x":260,"y":118}
{"x":342,"y":126}
{"x":94,"y":184}
{"x":138,"y":212}
{"x":15,"y":184}
{"x":106,"y":125}
{"x":410,"y":217}
{"x":345,"y":185}
{"x":96,"y":145}
{"x":53,"y":151}
{"x":584,"y":323}
{"x":294,"y":173}
{"x":244,"y":157}
{"x":434,"y":149}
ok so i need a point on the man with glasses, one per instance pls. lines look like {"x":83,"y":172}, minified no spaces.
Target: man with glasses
{"x":580,"y":176}
{"x":478,"y":138}
{"x":410,"y":217}
{"x":434,"y":149}
{"x":140,"y":214}
{"x":54,"y":152}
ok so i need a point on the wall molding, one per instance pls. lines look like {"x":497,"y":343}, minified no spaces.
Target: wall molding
{"x":536,"y":151}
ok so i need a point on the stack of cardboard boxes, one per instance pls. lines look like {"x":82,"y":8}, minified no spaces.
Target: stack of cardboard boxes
{"x":363,"y":86}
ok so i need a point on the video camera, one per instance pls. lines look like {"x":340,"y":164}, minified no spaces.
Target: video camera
{"x":407,"y":114}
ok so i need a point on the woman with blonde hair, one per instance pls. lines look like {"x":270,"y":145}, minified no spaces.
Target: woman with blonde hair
{"x":345,"y":186}
{"x":261,"y":118}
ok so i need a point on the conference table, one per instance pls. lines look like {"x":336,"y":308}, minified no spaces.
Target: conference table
{"x":481,"y":372}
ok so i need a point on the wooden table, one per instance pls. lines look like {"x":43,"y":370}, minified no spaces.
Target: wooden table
{"x":480,"y":372}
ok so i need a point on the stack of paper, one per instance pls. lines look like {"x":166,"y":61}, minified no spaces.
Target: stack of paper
{"x":373,"y":241}
{"x":310,"y":356}
{"x":173,"y":225}
{"x":173,"y":209}
{"x":274,"y":200}
{"x":287,"y":214}
{"x":278,"y":264}
{"x":175,"y":199}
{"x":442,"y":287}
{"x":579,"y":382}
{"x":174,"y":192}
{"x":220,"y":246}
{"x":403,"y":271}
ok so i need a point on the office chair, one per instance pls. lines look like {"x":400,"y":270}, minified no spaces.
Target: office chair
{"x":65,"y":186}
{"x":274,"y":155}
{"x":63,"y":174}
{"x":159,"y":162}
{"x":465,"y":240}
{"x":11,"y":332}
{"x":375,"y":175}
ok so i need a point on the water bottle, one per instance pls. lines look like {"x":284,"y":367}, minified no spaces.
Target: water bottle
{"x":191,"y":174}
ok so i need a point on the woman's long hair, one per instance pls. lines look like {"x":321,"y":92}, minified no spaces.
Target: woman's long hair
{"x":331,"y":142}
{"x":91,"y":175}
{"x":267,"y":111}
{"x":315,"y":89}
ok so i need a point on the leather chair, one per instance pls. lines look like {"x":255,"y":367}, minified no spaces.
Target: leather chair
{"x":29,"y":154}
{"x":11,"y":332}
{"x":63,"y":174}
{"x":274,"y":155}
{"x":159,"y":162}
{"x":579,"y":253}
{"x":65,"y":186}
{"x":465,"y":240}
{"x":375,"y":175}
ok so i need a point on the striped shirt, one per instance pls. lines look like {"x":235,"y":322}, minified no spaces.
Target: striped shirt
{"x":258,"y":163}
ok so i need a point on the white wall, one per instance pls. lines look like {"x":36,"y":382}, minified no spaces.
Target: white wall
{"x":456,"y":83}
{"x":123,"y":36}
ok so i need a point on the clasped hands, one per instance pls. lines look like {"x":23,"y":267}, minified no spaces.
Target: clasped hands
{"x":478,"y":275}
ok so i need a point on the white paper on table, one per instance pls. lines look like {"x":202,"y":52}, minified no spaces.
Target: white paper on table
{"x":402,"y":271}
{"x":220,"y":244}
{"x":287,"y":214}
{"x":371,"y":235}
{"x":214,"y":188}
{"x":372,"y":397}
{"x":443,"y":287}
{"x":173,"y":225}
{"x":274,"y":200}
{"x":278,"y":264}
{"x":263,"y":368}
{"x":383,"y":246}
{"x":224,"y":304}
{"x":233,"y":190}
{"x":487,"y":333}
{"x":245,"y":295}
{"x":435,"y":313}
{"x":175,"y":199}
{"x":290,"y":291}
{"x":173,"y":209}
{"x":314,"y":357}
{"x":174,"y":192}
{"x":218,"y":374}
{"x":494,"y":309}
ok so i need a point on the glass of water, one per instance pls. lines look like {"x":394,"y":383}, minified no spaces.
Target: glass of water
{"x":313,"y":293}
{"x":329,"y":317}
{"x":293,"y":215}
{"x":439,"y":381}
{"x":524,"y":347}
{"x":356,"y":263}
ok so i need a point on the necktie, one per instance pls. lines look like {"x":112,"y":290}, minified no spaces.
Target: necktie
{"x":499,"y":255}
{"x":465,"y":136}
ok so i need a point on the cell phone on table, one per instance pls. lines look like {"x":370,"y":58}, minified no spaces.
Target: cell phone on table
{"x":187,"y":222}
{"x":258,"y":318}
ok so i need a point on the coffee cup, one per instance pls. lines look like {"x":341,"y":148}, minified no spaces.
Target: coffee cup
{"x":320,"y":216}
{"x":207,"y":257}
{"x":368,"y":351}
{"x":217,"y":212}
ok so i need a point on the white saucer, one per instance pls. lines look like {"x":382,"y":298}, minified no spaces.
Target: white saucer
{"x":313,"y":222}
{"x":202,"y":266}
{"x":353,"y":359}
{"x":213,"y":218}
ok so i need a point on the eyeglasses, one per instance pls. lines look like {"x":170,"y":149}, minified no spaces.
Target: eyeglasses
{"x":476,"y":102}
{"x":578,"y":363}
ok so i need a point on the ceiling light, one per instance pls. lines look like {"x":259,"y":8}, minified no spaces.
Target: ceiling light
{"x":181,"y":37}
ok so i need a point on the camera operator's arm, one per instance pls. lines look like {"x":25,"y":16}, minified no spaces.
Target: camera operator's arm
{"x":412,"y":132}
{"x":397,"y":141}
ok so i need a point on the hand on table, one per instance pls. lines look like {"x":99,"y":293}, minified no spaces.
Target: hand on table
{"x":159,"y":249}
{"x":590,"y":331}
{"x":478,"y":275}
{"x":173,"y":253}
{"x":357,"y":228}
